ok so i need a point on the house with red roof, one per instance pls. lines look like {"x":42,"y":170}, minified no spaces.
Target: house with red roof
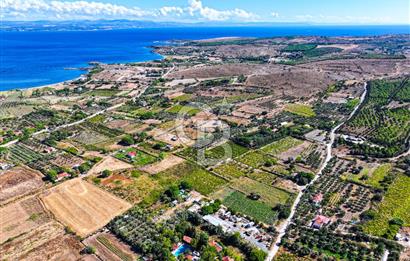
{"x":187,"y":239}
{"x":62,"y":176}
{"x":131,"y":154}
{"x":215,"y":244}
{"x":317,"y":198}
{"x":320,"y":221}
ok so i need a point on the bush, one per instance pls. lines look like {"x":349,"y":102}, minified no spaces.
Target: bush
{"x":127,"y":140}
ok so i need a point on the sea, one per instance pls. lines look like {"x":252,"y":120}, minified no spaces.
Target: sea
{"x":31,"y":59}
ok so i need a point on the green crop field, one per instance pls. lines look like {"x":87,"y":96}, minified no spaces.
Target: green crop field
{"x":262,"y":176}
{"x":239,"y":202}
{"x":140,"y":159}
{"x":254,"y":158}
{"x":233,"y":150}
{"x":371,"y":177}
{"x":395,"y":204}
{"x":184,"y":97}
{"x":300,"y":109}
{"x":201,"y":180}
{"x":282,"y":145}
{"x":230,"y":170}
{"x":270,"y":195}
{"x":180,"y":109}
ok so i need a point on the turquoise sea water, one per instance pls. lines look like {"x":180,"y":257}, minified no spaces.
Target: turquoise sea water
{"x":29,"y":59}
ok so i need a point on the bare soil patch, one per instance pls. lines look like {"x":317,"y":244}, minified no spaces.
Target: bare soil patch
{"x":21,"y":217}
{"x":30,"y":241}
{"x":168,"y":162}
{"x":82,"y":206}
{"x":64,"y":247}
{"x":109,"y":163}
{"x":19,"y":181}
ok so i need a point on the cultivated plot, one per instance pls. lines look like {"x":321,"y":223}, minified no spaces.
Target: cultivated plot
{"x":82,"y":206}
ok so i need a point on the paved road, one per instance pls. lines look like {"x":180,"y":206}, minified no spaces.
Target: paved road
{"x":282,"y":230}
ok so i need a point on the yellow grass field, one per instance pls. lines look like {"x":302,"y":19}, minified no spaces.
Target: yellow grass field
{"x":82,"y":206}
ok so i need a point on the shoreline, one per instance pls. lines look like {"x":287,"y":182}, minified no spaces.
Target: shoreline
{"x":54,"y":85}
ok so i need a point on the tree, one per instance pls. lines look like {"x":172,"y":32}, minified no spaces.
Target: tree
{"x":52,"y":175}
{"x":127,"y":140}
{"x":106,"y":173}
{"x":173,"y":192}
{"x":283,"y":211}
{"x":89,"y":250}
{"x":257,"y":255}
{"x":185,"y":185}
{"x":209,"y":254}
{"x":202,"y":240}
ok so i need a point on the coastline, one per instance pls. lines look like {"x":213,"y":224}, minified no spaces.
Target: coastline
{"x":56,"y":85}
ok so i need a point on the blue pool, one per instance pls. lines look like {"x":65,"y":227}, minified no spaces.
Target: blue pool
{"x":181,"y":249}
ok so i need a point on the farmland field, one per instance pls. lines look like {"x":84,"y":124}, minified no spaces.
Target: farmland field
{"x":14,"y":109}
{"x":141,"y":158}
{"x":239,"y":202}
{"x":109,"y":163}
{"x":21,"y":217}
{"x":300,"y":109}
{"x":387,"y":127}
{"x":180,"y":109}
{"x":131,"y":189}
{"x":282,"y":145}
{"x":200,"y":179}
{"x":103,"y":92}
{"x":218,"y":152}
{"x":262,"y":176}
{"x":230,"y":170}
{"x":21,"y":154}
{"x":19,"y":181}
{"x":254,"y":159}
{"x":268,"y":194}
{"x":82,"y":206}
{"x":108,"y":247}
{"x":371,"y":177}
{"x":396,"y":204}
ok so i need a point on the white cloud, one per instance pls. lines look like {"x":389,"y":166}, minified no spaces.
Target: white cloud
{"x":79,"y":9}
{"x":67,"y":10}
{"x":171,"y":10}
{"x":196,"y":8}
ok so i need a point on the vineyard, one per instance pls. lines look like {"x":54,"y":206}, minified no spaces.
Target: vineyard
{"x":386,"y":127}
{"x":106,"y":242}
{"x":394,"y":205}
{"x":21,"y":154}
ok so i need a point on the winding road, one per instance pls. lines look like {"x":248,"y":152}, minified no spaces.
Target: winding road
{"x":282,"y":230}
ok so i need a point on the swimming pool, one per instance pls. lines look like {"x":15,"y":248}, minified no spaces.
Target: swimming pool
{"x":181,"y":249}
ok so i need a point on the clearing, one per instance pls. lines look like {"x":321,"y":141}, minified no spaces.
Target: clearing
{"x":20,"y":217}
{"x":109,"y":163}
{"x":300,"y":109}
{"x":82,"y":206}
{"x":19,"y":181}
{"x":162,"y":165}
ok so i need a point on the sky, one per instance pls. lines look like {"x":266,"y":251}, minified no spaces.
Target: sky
{"x":218,"y":11}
